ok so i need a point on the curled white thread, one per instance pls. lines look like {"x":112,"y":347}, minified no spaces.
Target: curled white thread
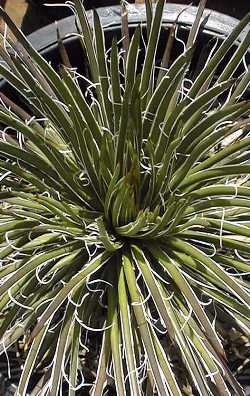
{"x":77,"y":387}
{"x":97,"y":281}
{"x":44,"y":302}
{"x":245,"y":63}
{"x":238,"y":274}
{"x":179,"y":40}
{"x":208,"y":245}
{"x":43,"y":281}
{"x":142,"y":302}
{"x":4,"y":175}
{"x":169,"y":298}
{"x":77,"y":305}
{"x":153,"y":322}
{"x":18,"y":303}
{"x":7,"y":358}
{"x":89,"y":327}
{"x":6,"y":235}
{"x":206,"y":303}
{"x":187,"y":317}
{"x":159,"y":277}
{"x":240,"y":257}
{"x":110,"y":370}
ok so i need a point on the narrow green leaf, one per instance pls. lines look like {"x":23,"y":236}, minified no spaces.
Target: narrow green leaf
{"x":30,"y":361}
{"x":125,"y":315}
{"x":115,"y":83}
{"x":215,"y":173}
{"x":183,"y":285}
{"x":75,"y":282}
{"x":232,"y":285}
{"x":103,"y":365}
{"x":151,"y":51}
{"x":61,"y":348}
{"x":115,"y":341}
{"x":144,"y":328}
{"x":34,"y":262}
{"x":218,"y":57}
{"x":195,"y":26}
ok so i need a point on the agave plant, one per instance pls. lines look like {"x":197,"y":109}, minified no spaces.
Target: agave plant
{"x":124,"y":220}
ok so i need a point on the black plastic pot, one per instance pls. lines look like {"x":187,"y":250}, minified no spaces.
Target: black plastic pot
{"x":217,"y":25}
{"x":39,"y":15}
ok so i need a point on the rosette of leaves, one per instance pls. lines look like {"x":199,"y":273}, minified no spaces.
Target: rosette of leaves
{"x":124,"y":220}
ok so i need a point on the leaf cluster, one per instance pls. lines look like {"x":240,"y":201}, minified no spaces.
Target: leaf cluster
{"x":124,"y":217}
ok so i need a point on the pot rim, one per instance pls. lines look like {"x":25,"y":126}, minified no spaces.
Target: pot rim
{"x":216,"y":24}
